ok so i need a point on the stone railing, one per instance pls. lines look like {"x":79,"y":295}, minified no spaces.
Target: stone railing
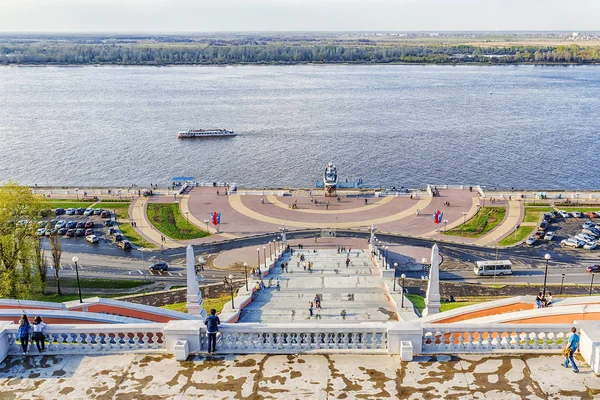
{"x":493,"y":338}
{"x":94,"y":338}
{"x":302,"y":338}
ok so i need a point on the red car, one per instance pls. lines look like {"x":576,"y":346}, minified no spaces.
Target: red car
{"x":593,"y":268}
{"x":88,"y":224}
{"x":539,"y":234}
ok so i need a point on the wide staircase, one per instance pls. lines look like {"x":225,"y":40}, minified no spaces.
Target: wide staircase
{"x":353,"y":294}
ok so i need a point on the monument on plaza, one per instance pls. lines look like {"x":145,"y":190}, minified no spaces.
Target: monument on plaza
{"x":283,"y":237}
{"x":194,"y":297}
{"x":432,"y":300}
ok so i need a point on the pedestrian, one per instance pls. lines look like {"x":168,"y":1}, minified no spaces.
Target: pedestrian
{"x":23,"y":332}
{"x":572,"y":346}
{"x":277,"y":285}
{"x":549,"y":300}
{"x":262,"y":284}
{"x":282,"y":267}
{"x":257,"y":287}
{"x":327,"y":206}
{"x":217,"y":192}
{"x":304,"y":266}
{"x":262,"y":200}
{"x":418,"y":211}
{"x":286,"y":268}
{"x":366,"y":201}
{"x":347,"y":262}
{"x":349,"y":250}
{"x":38,"y":334}
{"x":310,"y":308}
{"x":212,"y":326}
{"x":539,"y":300}
{"x":317,"y":302}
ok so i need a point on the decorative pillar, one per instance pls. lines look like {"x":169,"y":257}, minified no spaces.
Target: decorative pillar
{"x":194,"y":297}
{"x":433,"y":286}
{"x":283,"y":237}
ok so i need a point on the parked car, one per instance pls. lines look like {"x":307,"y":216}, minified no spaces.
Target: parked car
{"x":70,"y":211}
{"x":59,"y":211}
{"x":89,"y":232}
{"x":125,"y":245}
{"x":597,"y":213}
{"x":111,"y":231}
{"x":530,"y":241}
{"x":62,"y":231}
{"x":539,"y":234}
{"x":49,"y":231}
{"x":547,"y":217}
{"x":555,"y":214}
{"x":80,"y":211}
{"x":584,"y":237}
{"x":80,"y":225}
{"x":590,"y":214}
{"x":549,"y":235}
{"x":564,"y":214}
{"x":71,"y":225}
{"x":41,"y":232}
{"x":118,"y":237}
{"x":88,"y":224}
{"x":70,"y":233}
{"x":577,"y":214}
{"x":159,"y":266}
{"x":80,"y":232}
{"x":590,"y":245}
{"x":88,"y":211}
{"x":593,"y":268}
{"x":98,"y":211}
{"x":587,"y":224}
{"x":92,"y":238}
{"x":51,"y":224}
{"x":60,"y":224}
{"x":543,"y":226}
{"x":105,"y":214}
{"x":108,"y":222}
{"x":590,"y":232}
{"x":571,"y":242}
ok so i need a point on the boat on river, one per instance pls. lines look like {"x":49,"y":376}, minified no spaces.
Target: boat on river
{"x":204,"y":133}
{"x":330,"y":178}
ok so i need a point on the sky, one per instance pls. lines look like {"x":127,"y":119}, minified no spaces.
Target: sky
{"x":296,"y":15}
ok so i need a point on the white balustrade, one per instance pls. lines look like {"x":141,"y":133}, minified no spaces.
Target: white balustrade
{"x":96,"y":338}
{"x":492,"y":338}
{"x":299,"y":338}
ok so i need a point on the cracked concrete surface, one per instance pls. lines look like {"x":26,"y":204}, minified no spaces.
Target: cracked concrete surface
{"x":138,"y":376}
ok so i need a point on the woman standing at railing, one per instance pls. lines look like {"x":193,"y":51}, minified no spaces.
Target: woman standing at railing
{"x":24,"y":333}
{"x":38,"y":334}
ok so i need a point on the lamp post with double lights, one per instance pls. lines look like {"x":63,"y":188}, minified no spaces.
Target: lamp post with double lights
{"x":547,"y":257}
{"x":228,"y":280}
{"x":76,"y":260}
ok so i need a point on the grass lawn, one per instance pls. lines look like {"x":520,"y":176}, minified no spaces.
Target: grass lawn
{"x":534,"y":214}
{"x":486,"y":219}
{"x":121,"y":208}
{"x":418,"y":301}
{"x":580,"y":209}
{"x":102,"y":283}
{"x":167,"y":219}
{"x":55,"y":298}
{"x":217,"y":304}
{"x":53,"y":204}
{"x":521,"y":233}
{"x":133,"y":236}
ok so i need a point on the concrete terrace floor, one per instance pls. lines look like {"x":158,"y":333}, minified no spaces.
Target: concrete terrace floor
{"x":139,"y":376}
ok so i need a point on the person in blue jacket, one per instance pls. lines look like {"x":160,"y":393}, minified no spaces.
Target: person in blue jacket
{"x":23,"y":333}
{"x":212,"y":323}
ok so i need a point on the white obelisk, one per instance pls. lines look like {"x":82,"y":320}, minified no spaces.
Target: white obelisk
{"x":194,"y":297}
{"x":433,"y":287}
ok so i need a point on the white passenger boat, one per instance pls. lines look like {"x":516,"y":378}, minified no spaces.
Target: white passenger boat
{"x":202,"y":133}
{"x":330,"y":178}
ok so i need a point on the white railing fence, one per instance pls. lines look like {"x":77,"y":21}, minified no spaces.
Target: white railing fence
{"x":493,"y":338}
{"x":94,"y":338}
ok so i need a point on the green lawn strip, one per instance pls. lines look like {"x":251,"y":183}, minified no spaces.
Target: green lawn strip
{"x":217,"y":304}
{"x":540,"y":204}
{"x":486,"y":219}
{"x":134,"y":237}
{"x":54,"y":204}
{"x":167,"y":219}
{"x":103,"y":283}
{"x":55,"y":298}
{"x":533,"y":214}
{"x":521,"y":233}
{"x":417,"y":301}
{"x":120,"y":209}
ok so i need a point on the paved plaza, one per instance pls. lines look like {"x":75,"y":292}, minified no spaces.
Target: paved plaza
{"x":354,"y":293}
{"x":141,"y":376}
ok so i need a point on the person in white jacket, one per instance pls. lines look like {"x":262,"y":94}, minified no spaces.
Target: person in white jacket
{"x":38,"y":333}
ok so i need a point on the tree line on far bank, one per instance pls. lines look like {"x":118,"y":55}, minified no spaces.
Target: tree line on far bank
{"x":285,"y":53}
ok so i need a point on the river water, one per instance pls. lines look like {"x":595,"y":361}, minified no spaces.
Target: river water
{"x":400,"y":125}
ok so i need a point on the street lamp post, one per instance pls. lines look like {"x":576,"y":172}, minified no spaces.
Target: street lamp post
{"x":246,"y":274}
{"x":75,"y":260}
{"x":592,"y":283}
{"x":265,"y":257}
{"x":258,"y":254}
{"x":229,"y":282}
{"x":445,"y":225}
{"x":561,"y":283}
{"x":547,"y":257}
{"x":206,"y":222}
{"x":403,"y":277}
{"x":270,"y":251}
{"x":423,"y":262}
{"x":385,"y":256}
{"x":395,"y":268}
{"x":464,"y":217}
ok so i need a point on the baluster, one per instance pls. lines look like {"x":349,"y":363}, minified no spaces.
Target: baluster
{"x":485,"y":340}
{"x":551,"y":341}
{"x":270,"y":341}
{"x":504,"y":340}
{"x":343,"y":344}
{"x":532,"y":340}
{"x":495,"y":340}
{"x":542,"y":341}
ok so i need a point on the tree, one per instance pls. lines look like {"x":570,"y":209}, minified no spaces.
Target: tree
{"x":41,"y":263}
{"x":56,"y":251}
